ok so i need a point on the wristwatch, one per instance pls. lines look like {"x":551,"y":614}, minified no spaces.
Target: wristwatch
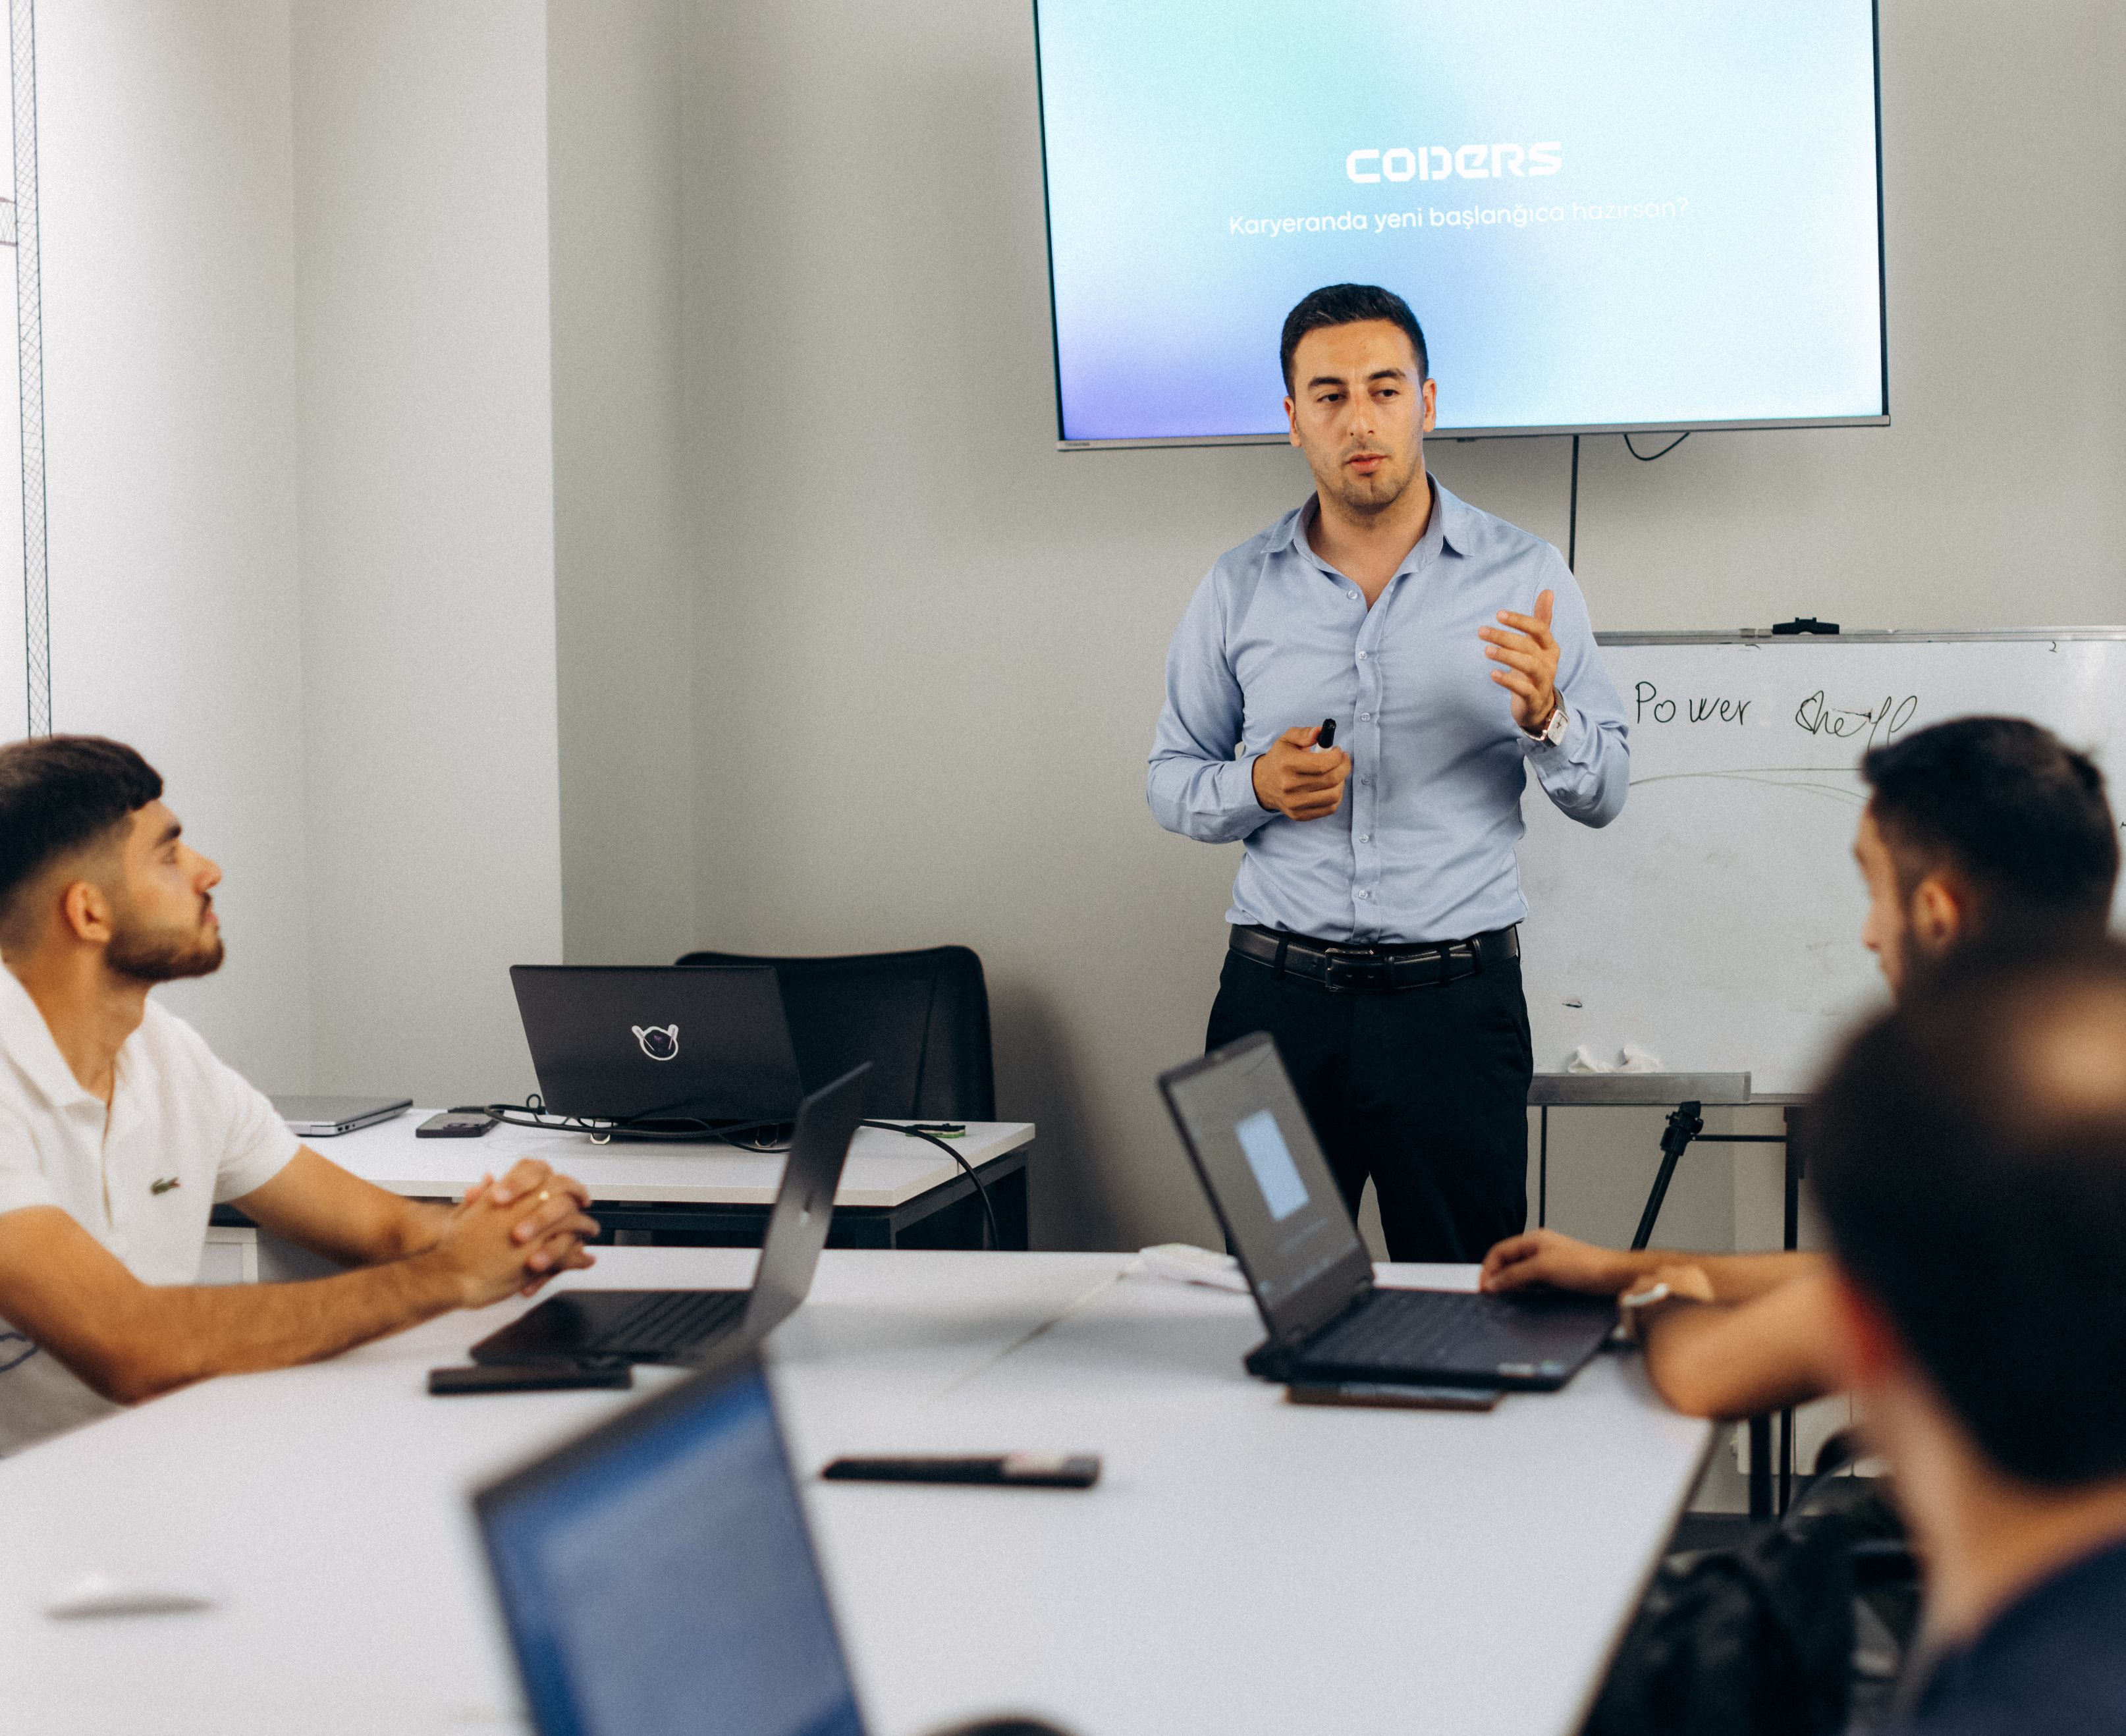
{"x":1552,"y":733}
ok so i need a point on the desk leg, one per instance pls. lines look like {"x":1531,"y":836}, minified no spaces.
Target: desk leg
{"x":1761,"y":1467}
{"x":1009,"y":1200}
{"x":1790,"y":1239}
{"x":1542,"y":1169}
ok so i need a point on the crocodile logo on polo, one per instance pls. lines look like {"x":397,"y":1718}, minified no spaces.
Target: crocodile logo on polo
{"x":163,"y":1186}
{"x":660,"y":1042}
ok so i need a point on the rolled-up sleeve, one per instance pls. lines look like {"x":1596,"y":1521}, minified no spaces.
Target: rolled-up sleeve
{"x":1196,"y":785}
{"x":259,"y":1143}
{"x":1588,"y":774}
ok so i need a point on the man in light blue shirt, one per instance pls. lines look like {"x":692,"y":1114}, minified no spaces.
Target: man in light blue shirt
{"x":1374,"y":915}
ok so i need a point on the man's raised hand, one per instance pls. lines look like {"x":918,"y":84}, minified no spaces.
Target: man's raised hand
{"x":1295,"y":780}
{"x":1528,"y":653}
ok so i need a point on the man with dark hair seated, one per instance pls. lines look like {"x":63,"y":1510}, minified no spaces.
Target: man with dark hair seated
{"x":1970,"y":1168}
{"x":1984,"y":827}
{"x":119,"y":1130}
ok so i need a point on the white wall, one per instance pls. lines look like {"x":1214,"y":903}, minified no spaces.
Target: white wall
{"x":335,"y":472}
{"x":169,"y":324}
{"x":624,"y":583}
{"x":945,"y":639}
{"x":426,"y":515}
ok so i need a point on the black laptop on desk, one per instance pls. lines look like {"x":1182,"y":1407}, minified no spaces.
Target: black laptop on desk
{"x":679,"y":1325}
{"x":658,"y":1049}
{"x":1256,"y":1156}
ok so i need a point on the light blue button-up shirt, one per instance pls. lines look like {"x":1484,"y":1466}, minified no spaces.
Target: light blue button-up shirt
{"x":1422,"y":848}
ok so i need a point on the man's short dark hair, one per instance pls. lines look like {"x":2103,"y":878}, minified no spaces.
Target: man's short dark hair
{"x":1347,"y":303}
{"x":1970,"y":1155}
{"x":2006,"y":805}
{"x":59,"y":794}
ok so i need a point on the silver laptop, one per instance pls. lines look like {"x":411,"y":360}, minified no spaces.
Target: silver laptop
{"x":319,"y":1118}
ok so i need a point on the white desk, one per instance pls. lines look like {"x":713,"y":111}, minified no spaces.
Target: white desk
{"x":891,"y":1182}
{"x":1243,"y":1565}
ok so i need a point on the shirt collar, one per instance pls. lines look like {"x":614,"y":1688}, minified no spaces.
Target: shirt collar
{"x":1446,"y":531}
{"x":27,"y":1041}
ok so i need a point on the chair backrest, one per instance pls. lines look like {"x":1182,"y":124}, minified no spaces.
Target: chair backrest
{"x":922,"y":1020}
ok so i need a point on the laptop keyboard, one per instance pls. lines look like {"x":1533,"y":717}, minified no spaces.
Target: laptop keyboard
{"x":668,"y":1321}
{"x":1415,"y":1329}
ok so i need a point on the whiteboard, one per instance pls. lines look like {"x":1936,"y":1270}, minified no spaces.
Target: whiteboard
{"x":1716,"y":922}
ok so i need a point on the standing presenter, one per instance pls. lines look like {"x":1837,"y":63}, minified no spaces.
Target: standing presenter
{"x":1374,"y":915}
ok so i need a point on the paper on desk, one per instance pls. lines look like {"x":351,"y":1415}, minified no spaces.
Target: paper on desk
{"x":1183,"y":1263}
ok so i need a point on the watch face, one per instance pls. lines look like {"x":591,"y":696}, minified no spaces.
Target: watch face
{"x":1554,"y":731}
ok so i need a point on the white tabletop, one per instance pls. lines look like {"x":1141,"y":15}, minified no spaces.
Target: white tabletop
{"x":1243,"y":1564}
{"x":887,"y":1169}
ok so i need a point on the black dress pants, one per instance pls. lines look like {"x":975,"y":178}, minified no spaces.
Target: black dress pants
{"x":1425,"y":1090}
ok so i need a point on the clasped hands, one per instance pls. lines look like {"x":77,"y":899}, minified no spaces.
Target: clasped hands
{"x":517,"y":1234}
{"x":1296,"y":779}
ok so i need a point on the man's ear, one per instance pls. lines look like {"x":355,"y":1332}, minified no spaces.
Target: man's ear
{"x":85,"y":911}
{"x":1938,"y":913}
{"x":1292,"y":419}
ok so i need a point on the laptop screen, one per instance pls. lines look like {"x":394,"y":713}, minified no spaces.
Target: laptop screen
{"x":1256,"y":1154}
{"x":658,"y":1578}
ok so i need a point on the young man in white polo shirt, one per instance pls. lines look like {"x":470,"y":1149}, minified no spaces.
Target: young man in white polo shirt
{"x":119,"y":1131}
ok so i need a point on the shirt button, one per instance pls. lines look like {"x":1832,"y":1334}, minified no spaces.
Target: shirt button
{"x":1361,"y":657}
{"x":1365,"y":717}
{"x":1365,"y":837}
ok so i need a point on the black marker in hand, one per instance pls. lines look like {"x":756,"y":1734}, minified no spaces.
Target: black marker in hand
{"x":1327,"y":738}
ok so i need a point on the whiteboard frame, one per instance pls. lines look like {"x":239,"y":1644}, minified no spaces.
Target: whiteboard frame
{"x":1559,"y":1089}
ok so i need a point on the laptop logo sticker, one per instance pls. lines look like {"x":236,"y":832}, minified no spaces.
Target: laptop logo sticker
{"x":660,"y":1042}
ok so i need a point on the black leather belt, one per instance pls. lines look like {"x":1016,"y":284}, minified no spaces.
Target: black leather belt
{"x":1347,"y":970}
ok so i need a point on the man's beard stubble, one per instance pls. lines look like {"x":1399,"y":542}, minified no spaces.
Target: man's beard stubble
{"x":1368,"y":502}
{"x":163,"y":955}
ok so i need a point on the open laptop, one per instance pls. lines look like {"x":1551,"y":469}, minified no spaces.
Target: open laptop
{"x":1256,"y":1156}
{"x":320,"y":1118}
{"x":664,"y":1049}
{"x":679,"y":1325}
{"x":657,"y":1578}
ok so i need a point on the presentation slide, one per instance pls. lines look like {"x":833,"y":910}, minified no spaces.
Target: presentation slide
{"x":1603,"y":212}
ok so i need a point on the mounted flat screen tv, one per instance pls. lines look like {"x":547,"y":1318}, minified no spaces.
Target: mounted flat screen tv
{"x":1608,"y":215}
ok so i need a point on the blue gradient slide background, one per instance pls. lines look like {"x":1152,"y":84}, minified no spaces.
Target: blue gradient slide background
{"x":1750,"y":293}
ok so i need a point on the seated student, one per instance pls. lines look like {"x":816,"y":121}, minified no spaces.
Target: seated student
{"x":1970,"y":1168}
{"x":1981,"y":827}
{"x":118,"y":1130}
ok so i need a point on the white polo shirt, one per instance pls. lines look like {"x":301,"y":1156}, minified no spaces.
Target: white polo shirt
{"x":183,"y":1132}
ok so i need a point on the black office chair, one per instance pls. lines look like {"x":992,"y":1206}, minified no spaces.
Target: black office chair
{"x":922,"y":1020}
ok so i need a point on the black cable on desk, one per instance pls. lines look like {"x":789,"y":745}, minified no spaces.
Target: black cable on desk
{"x":675,"y":1129}
{"x":995,"y":1235}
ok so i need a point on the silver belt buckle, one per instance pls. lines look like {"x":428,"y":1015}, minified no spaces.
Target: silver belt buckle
{"x":1343,"y":973}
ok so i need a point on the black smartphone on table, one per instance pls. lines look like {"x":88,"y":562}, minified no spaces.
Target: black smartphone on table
{"x":526,"y":1377}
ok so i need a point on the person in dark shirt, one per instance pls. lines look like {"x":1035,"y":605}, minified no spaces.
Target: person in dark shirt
{"x":1971,"y":1169}
{"x":1976,"y":830}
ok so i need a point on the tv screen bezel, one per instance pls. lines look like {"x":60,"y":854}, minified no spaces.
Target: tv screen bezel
{"x":1880,"y":419}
